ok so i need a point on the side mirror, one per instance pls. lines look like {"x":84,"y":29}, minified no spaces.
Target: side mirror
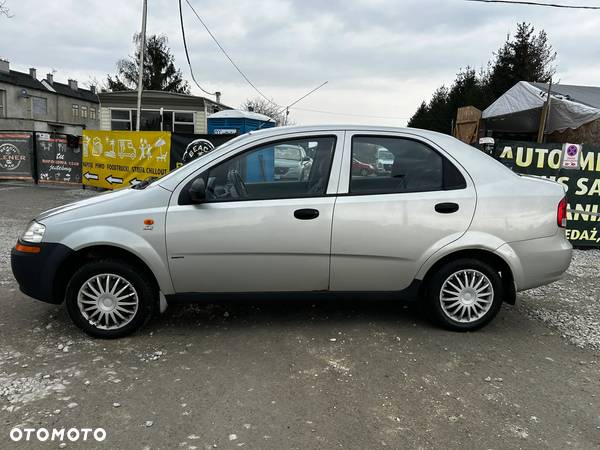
{"x":306,"y":159}
{"x":197,"y":191}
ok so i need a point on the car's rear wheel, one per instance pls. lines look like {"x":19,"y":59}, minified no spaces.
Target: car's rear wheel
{"x":110,"y":298}
{"x":465,"y":294}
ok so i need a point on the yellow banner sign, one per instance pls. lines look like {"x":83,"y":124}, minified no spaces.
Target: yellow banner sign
{"x":116,"y":159}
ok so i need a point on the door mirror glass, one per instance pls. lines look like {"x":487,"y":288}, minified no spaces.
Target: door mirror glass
{"x":197,"y":191}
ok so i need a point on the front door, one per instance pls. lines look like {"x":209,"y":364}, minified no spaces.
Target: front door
{"x":392,"y":218}
{"x":265,"y":225}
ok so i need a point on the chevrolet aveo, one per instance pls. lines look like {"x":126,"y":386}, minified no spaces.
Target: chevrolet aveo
{"x":445,"y":224}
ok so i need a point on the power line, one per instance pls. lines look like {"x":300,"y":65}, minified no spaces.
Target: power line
{"x":336,"y":113}
{"x":229,"y":57}
{"x":551,"y":5}
{"x":306,"y":95}
{"x":187,"y":54}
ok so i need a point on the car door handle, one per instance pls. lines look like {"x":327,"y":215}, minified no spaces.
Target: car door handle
{"x":306,"y":214}
{"x":446,"y":208}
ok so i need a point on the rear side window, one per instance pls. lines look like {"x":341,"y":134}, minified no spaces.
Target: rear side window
{"x":382,"y":165}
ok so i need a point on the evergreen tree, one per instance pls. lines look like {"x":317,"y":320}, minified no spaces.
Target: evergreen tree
{"x":526,"y":57}
{"x":159,"y":74}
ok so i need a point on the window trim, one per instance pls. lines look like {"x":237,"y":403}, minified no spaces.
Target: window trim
{"x":2,"y":103}
{"x":121,"y":120}
{"x":172,"y":111}
{"x":75,"y":110}
{"x":37,"y":98}
{"x":183,"y":196}
{"x":445,"y":160}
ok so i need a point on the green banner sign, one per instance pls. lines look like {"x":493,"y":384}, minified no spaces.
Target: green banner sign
{"x":582,"y":181}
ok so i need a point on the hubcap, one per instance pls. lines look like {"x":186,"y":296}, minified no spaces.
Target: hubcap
{"x":107,"y":301}
{"x":466,"y":296}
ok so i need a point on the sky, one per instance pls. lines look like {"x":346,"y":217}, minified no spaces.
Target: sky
{"x":381,"y":58}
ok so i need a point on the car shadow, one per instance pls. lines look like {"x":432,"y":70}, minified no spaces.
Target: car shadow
{"x":289,"y":310}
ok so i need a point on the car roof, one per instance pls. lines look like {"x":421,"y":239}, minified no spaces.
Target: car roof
{"x":266,"y":132}
{"x":473,"y":160}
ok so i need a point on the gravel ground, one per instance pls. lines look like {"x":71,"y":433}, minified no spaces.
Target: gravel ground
{"x":572,"y":305}
{"x":348,"y":373}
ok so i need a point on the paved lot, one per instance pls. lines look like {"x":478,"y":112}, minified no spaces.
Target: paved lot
{"x":354,"y":374}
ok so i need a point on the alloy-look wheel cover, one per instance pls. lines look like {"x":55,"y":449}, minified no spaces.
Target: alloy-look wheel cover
{"x":466,"y":296}
{"x":108,"y":301}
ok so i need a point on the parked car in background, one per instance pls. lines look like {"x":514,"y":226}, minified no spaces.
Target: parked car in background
{"x":443,"y":224}
{"x":385,"y":159}
{"x":291,"y":163}
{"x":361,"y":168}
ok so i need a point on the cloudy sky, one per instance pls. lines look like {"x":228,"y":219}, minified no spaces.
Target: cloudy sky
{"x":381,"y":57}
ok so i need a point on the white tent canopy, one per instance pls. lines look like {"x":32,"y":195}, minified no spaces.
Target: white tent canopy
{"x":519,"y":108}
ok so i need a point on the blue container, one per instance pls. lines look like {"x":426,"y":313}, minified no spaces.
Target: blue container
{"x":233,"y":121}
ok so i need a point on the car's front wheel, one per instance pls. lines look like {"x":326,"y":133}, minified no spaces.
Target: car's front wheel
{"x":465,"y":294}
{"x":110,"y":298}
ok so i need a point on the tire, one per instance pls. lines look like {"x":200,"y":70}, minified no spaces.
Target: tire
{"x":136,"y":297}
{"x":467,"y":305}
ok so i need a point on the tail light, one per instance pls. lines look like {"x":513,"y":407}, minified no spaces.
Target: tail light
{"x":561,"y":213}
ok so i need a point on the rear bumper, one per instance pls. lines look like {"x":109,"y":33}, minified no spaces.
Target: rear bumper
{"x":36,"y":272}
{"x":536,"y":262}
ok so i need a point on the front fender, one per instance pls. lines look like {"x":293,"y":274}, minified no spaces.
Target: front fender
{"x":128,"y":241}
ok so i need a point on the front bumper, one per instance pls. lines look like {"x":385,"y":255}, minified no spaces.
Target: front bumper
{"x":36,"y":272}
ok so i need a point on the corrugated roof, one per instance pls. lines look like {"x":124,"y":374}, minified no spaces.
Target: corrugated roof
{"x":587,"y":95}
{"x":27,"y":81}
{"x":83,"y":94}
{"x":148,"y":94}
{"x":21,"y":79}
{"x":239,"y":114}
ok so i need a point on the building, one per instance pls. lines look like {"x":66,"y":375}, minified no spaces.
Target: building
{"x":161,"y":111}
{"x":30,"y":104}
{"x":573,"y":113}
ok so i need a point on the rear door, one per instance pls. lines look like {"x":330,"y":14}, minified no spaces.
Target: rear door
{"x":386,"y":224}
{"x":265,"y":225}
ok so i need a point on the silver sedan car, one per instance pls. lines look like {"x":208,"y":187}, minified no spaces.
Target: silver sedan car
{"x":446,"y":225}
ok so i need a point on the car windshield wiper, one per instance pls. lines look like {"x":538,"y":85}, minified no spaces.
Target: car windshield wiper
{"x":144,"y":183}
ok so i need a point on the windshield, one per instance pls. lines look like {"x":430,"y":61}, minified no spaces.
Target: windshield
{"x":385,"y":154}
{"x":292,"y":153}
{"x":197,"y":160}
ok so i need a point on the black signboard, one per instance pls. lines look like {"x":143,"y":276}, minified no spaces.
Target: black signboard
{"x":58,"y":158}
{"x":16,"y":150}
{"x":582,"y":183}
{"x":186,"y":147}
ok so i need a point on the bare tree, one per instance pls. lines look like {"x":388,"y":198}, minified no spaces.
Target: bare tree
{"x":4,"y":11}
{"x":270,"y":109}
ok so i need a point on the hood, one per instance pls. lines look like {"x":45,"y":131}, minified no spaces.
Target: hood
{"x":101,"y":198}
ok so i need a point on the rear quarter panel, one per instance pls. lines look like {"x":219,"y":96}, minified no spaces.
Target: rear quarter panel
{"x":517,"y":208}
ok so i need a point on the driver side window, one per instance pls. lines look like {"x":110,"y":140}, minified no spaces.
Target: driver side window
{"x":283,"y":169}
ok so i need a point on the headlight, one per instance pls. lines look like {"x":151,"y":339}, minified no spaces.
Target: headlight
{"x":34,"y":233}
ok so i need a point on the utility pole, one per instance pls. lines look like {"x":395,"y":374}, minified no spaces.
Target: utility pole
{"x":544,"y":115}
{"x":141,"y":68}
